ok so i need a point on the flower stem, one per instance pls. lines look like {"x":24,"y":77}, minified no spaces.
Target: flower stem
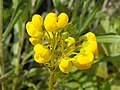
{"x":51,"y":80}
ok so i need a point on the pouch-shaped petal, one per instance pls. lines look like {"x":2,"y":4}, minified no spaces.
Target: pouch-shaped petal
{"x":39,"y":59}
{"x":65,"y":65}
{"x":37,"y":21}
{"x":32,"y":31}
{"x":90,"y":36}
{"x":83,"y":60}
{"x":62,"y":20}
{"x":42,"y":51}
{"x":90,"y":46}
{"x":50,"y":22}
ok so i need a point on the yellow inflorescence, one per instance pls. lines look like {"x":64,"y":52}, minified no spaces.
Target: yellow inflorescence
{"x":84,"y":59}
{"x":47,"y":37}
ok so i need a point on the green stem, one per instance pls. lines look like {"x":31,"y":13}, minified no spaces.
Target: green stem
{"x":6,"y":76}
{"x":51,"y":80}
{"x":1,"y":43}
{"x":15,"y":83}
{"x":18,"y":64}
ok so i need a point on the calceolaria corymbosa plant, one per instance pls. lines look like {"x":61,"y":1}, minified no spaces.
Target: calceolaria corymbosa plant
{"x":54,"y":44}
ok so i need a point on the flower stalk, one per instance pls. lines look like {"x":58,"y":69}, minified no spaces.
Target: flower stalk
{"x":51,"y":80}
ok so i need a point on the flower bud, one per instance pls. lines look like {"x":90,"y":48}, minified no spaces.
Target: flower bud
{"x":70,"y":41}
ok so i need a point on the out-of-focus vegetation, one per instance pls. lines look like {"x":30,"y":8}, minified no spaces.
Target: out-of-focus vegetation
{"x":18,"y":70}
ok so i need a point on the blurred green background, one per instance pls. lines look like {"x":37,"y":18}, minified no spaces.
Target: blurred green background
{"x":19,"y":71}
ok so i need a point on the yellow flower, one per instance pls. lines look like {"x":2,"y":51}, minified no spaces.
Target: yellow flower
{"x":70,"y":41}
{"x":62,"y":20}
{"x":41,"y":54}
{"x":37,"y":21}
{"x":52,"y":22}
{"x":90,"y":46}
{"x":83,"y":60}
{"x":90,"y":36}
{"x":32,"y":31}
{"x":65,"y":65}
{"x":34,"y":41}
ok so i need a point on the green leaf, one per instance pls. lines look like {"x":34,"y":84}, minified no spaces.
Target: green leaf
{"x":102,"y":70}
{"x":108,"y":39}
{"x":30,"y":84}
{"x":71,"y":28}
{"x":115,"y":87}
{"x":65,"y":34}
{"x":32,"y":72}
{"x":105,"y":24}
{"x":106,"y":86}
{"x":90,"y":17}
{"x":11,"y":24}
{"x":72,"y":84}
{"x":84,"y":9}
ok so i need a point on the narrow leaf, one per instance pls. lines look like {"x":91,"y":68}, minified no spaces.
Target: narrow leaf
{"x":108,"y":39}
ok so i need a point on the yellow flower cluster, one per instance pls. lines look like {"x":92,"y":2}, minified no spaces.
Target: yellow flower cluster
{"x":84,"y":59}
{"x":49,"y":43}
{"x":37,"y":33}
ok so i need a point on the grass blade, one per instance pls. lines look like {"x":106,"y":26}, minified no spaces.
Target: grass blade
{"x":108,"y":39}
